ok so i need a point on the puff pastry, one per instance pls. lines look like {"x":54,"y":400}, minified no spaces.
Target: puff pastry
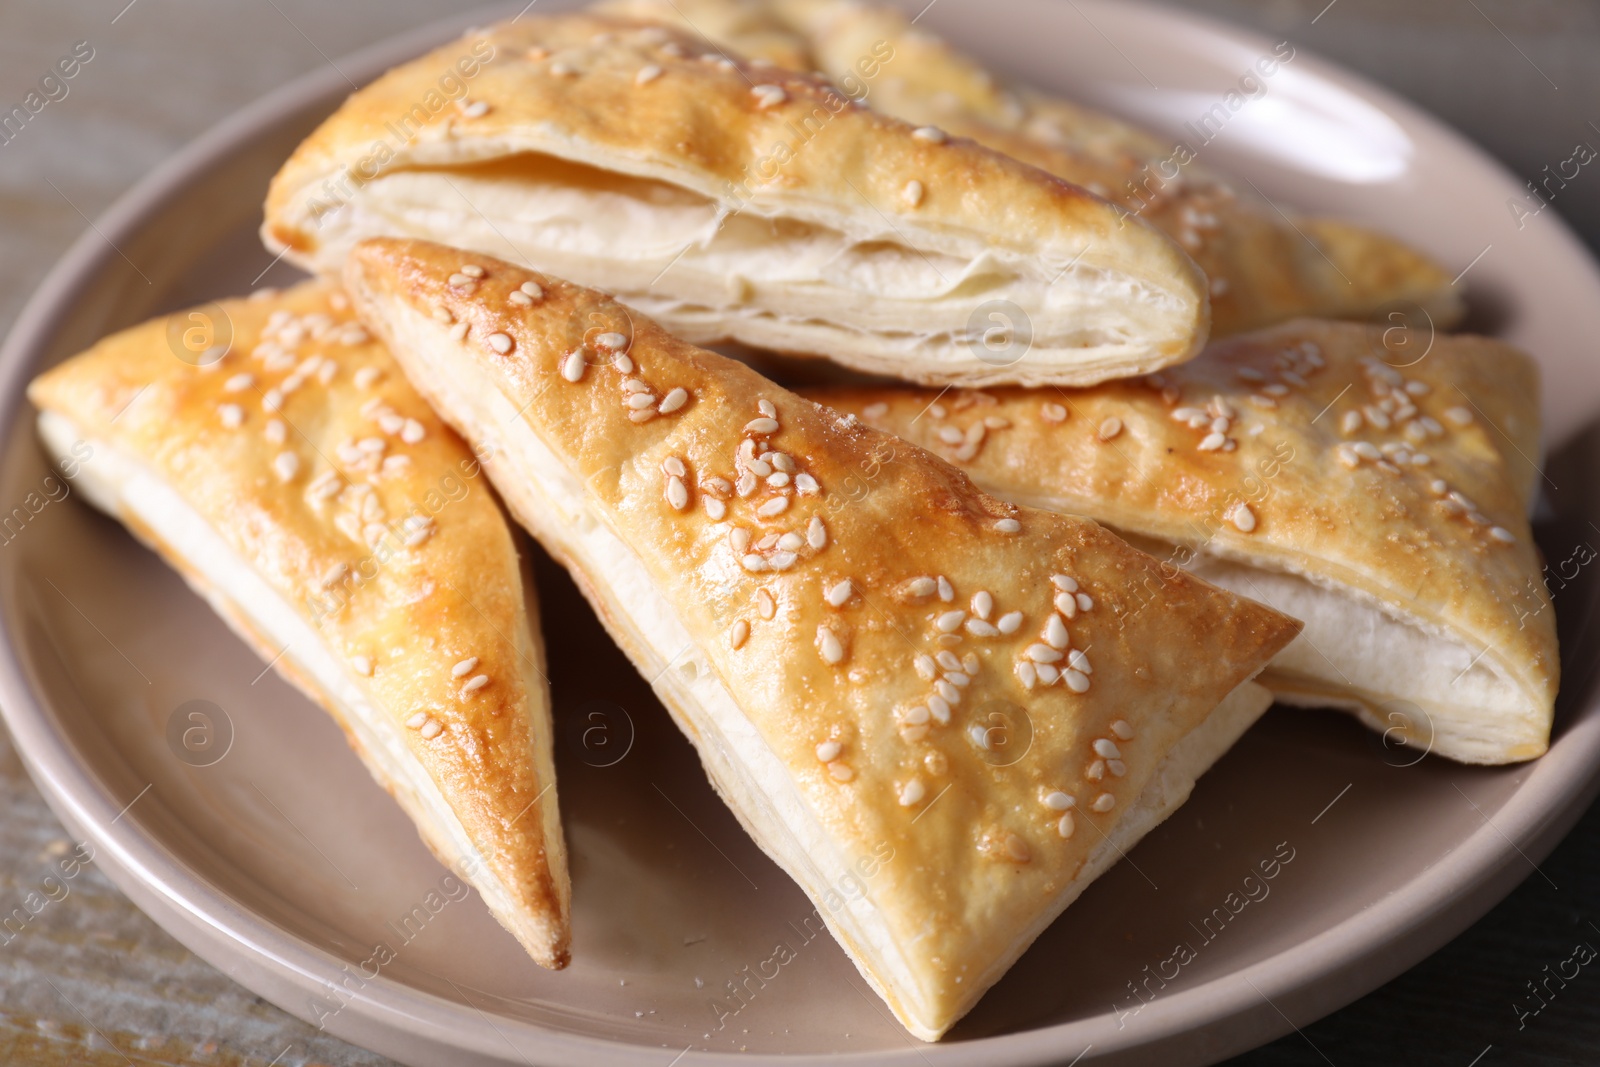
{"x":852,"y":680}
{"x":1379,"y":498}
{"x":1264,"y":266}
{"x":302,"y":487}
{"x":739,"y":202}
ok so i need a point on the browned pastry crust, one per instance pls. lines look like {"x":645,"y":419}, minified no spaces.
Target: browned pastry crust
{"x":839,"y":621}
{"x":1264,"y":267}
{"x":738,"y":201}
{"x":302,"y":486}
{"x":1310,"y":450}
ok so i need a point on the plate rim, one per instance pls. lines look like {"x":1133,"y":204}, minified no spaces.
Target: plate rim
{"x":1237,"y":1010}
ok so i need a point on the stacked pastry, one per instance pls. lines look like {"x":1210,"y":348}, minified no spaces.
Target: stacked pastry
{"x":541,"y":262}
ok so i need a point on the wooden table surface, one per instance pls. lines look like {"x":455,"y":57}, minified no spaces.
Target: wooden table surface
{"x":95,"y":982}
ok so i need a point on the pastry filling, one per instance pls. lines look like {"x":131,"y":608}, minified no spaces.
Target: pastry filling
{"x":709,"y":268}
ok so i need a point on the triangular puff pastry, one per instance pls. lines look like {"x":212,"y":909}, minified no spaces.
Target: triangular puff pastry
{"x":303,"y":488}
{"x":1265,"y":266}
{"x":891,"y":678}
{"x":734,"y":201}
{"x":1381,"y":498}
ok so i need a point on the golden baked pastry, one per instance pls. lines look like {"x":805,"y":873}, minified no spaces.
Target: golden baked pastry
{"x":1264,"y":265}
{"x":738,"y":201}
{"x":301,"y":486}
{"x":892,"y":679}
{"x":1381,"y":498}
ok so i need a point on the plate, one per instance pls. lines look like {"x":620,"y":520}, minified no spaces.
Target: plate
{"x":267,"y":849}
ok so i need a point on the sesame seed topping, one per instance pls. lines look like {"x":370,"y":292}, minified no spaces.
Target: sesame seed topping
{"x":1211,"y":442}
{"x":1066,"y":825}
{"x":982,"y":603}
{"x":572,"y":366}
{"x":286,"y":465}
{"x":460,"y":280}
{"x":1058,"y":801}
{"x":950,"y":621}
{"x":1065,"y":583}
{"x":475,"y":683}
{"x":519,"y":298}
{"x":979,"y":628}
{"x":431,"y":729}
{"x":677,"y":493}
{"x":366,"y":377}
{"x":1010,"y":622}
{"x":774,"y":507}
{"x":931,"y":134}
{"x":238,"y":383}
{"x":232,"y":415}
{"x":912,"y":793}
{"x":912,"y":193}
{"x":1459,"y":415}
{"x":1050,"y":412}
{"x":647,"y":74}
{"x":816,"y":534}
{"x":674,"y":400}
{"x":1085,"y":602}
{"x":1109,"y":428}
{"x":1500,"y":533}
{"x":458,"y":332}
{"x":841,"y":772}
{"x":1055,"y":632}
{"x":1106,"y":749}
{"x":362,"y":665}
{"x":472,"y":270}
{"x":1008,"y":526}
{"x":1017,"y":848}
{"x":978,"y":735}
{"x":925,"y":666}
{"x":412,"y":432}
{"x":947,"y":592}
{"x":764,"y":425}
{"x":839,"y":593}
{"x":1042,"y":653}
{"x":828,"y":645}
{"x":1076,"y":681}
{"x":738,"y":634}
{"x":464,"y":667}
{"x":1104,"y":802}
{"x":563,"y":70}
{"x":500,"y":342}
{"x":769,"y":95}
{"x":1079,"y":660}
{"x":1243,"y":519}
{"x":828,"y":751}
{"x":1067,"y":604}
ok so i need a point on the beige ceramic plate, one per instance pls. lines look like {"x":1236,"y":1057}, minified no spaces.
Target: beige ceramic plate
{"x":283,"y":864}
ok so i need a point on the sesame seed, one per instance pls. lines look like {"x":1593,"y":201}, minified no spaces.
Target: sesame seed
{"x":366,"y":377}
{"x":563,"y":70}
{"x":431,"y":729}
{"x":841,"y":771}
{"x":1243,"y":519}
{"x":572,"y":366}
{"x":475,"y":683}
{"x":647,"y":74}
{"x":1104,"y":802}
{"x":715,"y":508}
{"x":1055,"y":632}
{"x":816,"y":534}
{"x":673,"y":465}
{"x":765,"y":605}
{"x":931,"y":134}
{"x":1017,"y":848}
{"x":805,"y":484}
{"x":1076,"y":681}
{"x":1366,"y":450}
{"x":1010,"y":622}
{"x":1500,"y":533}
{"x":232,"y":415}
{"x":1106,"y":749}
{"x":769,"y":95}
{"x":774,"y":507}
{"x":923,"y":586}
{"x":239,"y":383}
{"x":1008,"y":526}
{"x":763,"y":425}
{"x":519,"y":298}
{"x":1066,"y":825}
{"x":500,"y":342}
{"x":1109,"y":428}
{"x":828,"y":645}
{"x":1065,"y":583}
{"x":475,"y":110}
{"x":1026,"y":674}
{"x":286,"y":465}
{"x":1459,"y":415}
{"x":947,"y":591}
{"x":959,"y":679}
{"x":951,"y":435}
{"x":950,"y":621}
{"x":979,"y":628}
{"x":1080,"y":661}
{"x":472,"y":270}
{"x":458,"y":332}
{"x":979,"y":735}
{"x":464,"y":666}
{"x":1117,"y":768}
{"x":1250,"y":374}
{"x":674,"y":400}
{"x":738,"y":634}
{"x":1042,"y":653}
{"x":1211,"y":442}
{"x":460,"y":280}
{"x":1058,"y":801}
{"x":982,"y":604}
{"x":838,"y":594}
{"x":753,"y":563}
{"x":912,"y":193}
{"x":1067,"y":604}
{"x":912,"y":793}
{"x":362,"y":665}
{"x":412,"y":432}
{"x":1085,"y":602}
{"x":1052,"y":412}
{"x":677,"y":493}
{"x":925,"y":666}
{"x":1048,"y":674}
{"x":791,"y":542}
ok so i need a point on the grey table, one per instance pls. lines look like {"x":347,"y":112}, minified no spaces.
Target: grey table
{"x":97,"y":983}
